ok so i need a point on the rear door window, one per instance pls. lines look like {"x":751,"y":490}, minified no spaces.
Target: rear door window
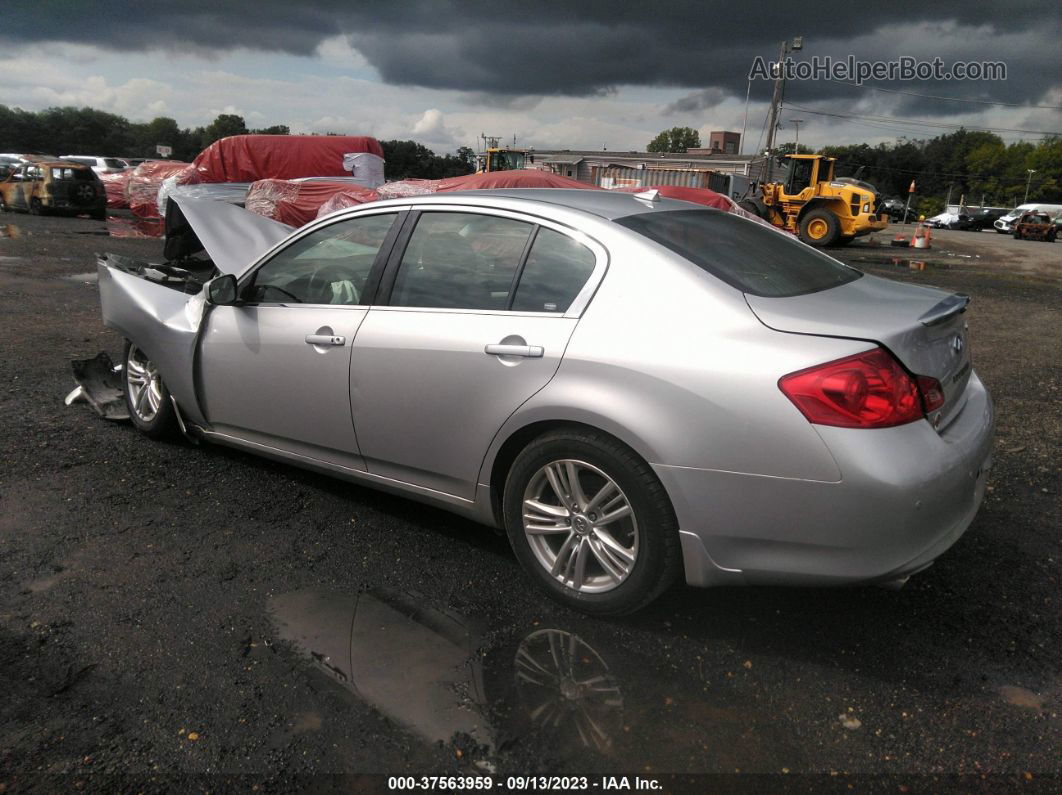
{"x":557,"y":267}
{"x":748,"y":256}
{"x":458,"y":260}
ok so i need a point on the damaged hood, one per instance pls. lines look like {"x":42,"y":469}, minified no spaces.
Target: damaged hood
{"x":232,"y":237}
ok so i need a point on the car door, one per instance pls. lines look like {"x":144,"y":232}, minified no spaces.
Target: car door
{"x":479,"y":306}
{"x":274,"y":369}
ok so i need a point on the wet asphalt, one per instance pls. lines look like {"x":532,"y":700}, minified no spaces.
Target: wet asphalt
{"x":178,"y":616}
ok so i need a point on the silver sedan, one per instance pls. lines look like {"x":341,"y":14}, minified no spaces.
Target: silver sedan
{"x":634,"y":389}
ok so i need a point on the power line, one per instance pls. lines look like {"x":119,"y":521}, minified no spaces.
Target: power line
{"x":947,"y":99}
{"x":922,"y":122}
{"x":916,"y":172}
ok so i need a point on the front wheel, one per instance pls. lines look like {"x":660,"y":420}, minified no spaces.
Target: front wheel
{"x":589,"y":520}
{"x":146,"y":395}
{"x":820,"y":228}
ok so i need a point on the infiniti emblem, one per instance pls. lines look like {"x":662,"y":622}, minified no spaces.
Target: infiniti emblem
{"x":957,"y":344}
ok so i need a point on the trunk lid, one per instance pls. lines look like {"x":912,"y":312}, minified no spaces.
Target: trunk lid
{"x":923,"y":327}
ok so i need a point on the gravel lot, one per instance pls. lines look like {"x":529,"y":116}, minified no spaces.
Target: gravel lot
{"x":150,"y":594}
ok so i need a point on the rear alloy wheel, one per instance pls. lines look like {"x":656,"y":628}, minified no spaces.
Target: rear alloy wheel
{"x":146,"y":395}
{"x":820,"y":228}
{"x":591,"y":522}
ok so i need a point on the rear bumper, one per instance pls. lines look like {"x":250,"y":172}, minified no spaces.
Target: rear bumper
{"x":906,"y":495}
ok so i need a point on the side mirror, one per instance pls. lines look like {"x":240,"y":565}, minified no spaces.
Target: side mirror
{"x":222,"y":291}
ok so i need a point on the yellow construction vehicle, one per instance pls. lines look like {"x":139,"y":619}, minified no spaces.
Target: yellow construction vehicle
{"x":498,"y":158}
{"x":822,"y":210}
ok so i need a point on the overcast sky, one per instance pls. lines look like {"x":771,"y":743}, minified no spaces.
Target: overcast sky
{"x":599,"y":73}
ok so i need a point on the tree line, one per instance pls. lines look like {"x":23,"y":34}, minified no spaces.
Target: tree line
{"x":965,"y":164}
{"x":87,"y":131}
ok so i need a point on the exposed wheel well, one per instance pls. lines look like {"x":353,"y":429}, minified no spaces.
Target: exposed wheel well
{"x":511,"y":448}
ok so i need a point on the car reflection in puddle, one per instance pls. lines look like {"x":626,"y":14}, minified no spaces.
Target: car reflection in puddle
{"x":551,"y":695}
{"x":10,"y":230}
{"x":132,"y":227}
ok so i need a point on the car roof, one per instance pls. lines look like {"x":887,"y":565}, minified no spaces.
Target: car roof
{"x":603,"y":203}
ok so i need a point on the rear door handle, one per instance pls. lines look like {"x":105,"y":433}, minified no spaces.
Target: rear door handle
{"x":325,"y":339}
{"x":527,"y":351}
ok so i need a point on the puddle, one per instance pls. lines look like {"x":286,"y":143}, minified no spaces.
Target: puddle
{"x":1020,"y":697}
{"x":132,"y":227}
{"x":575,"y":694}
{"x":83,"y":278}
{"x":10,"y":230}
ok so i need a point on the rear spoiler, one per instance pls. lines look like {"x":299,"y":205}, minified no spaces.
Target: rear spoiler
{"x":954,"y":304}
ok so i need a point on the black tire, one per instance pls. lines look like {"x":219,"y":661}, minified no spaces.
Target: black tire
{"x":99,"y":215}
{"x":35,"y":206}
{"x":3,"y":205}
{"x":844,"y":240}
{"x":163,"y":423}
{"x":1050,"y":237}
{"x":658,"y":561}
{"x":1016,"y":234}
{"x":813,"y":221}
{"x":753,"y":207}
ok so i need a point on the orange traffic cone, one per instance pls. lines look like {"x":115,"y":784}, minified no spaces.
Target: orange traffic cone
{"x":921,"y":237}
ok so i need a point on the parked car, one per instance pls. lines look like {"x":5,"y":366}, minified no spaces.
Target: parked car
{"x":941,"y":221}
{"x":977,"y":219}
{"x":101,"y":165}
{"x":40,"y":185}
{"x":1036,"y":226}
{"x":634,"y":388}
{"x":1005,"y":225}
{"x":897,"y":210}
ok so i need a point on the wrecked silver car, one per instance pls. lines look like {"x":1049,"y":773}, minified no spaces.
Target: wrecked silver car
{"x":634,"y":388}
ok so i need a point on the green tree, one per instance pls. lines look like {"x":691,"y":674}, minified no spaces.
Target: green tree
{"x":276,"y":129}
{"x":466,"y":155}
{"x":222,"y":127}
{"x":677,"y":139}
{"x":410,"y":160}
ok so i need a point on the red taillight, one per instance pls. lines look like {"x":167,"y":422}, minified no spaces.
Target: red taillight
{"x":868,"y":390}
{"x":932,"y":392}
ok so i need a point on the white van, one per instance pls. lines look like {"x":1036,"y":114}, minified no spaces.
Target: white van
{"x":1005,"y":225}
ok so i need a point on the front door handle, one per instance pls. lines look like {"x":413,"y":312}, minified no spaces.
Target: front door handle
{"x":527,"y":351}
{"x":325,"y":339}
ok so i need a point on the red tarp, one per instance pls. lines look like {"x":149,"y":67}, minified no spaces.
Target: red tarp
{"x":143,"y":186}
{"x":709,"y":198}
{"x":297,"y":203}
{"x":247,"y":158}
{"x":520,"y":178}
{"x":115,"y":185}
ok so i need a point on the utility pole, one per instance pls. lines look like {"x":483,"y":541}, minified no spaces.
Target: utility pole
{"x":1028,"y":182}
{"x":745,"y":123}
{"x":796,"y":123}
{"x":776,"y":102}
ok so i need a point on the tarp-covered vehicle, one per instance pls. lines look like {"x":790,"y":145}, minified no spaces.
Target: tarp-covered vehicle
{"x":226,"y":169}
{"x":47,"y":185}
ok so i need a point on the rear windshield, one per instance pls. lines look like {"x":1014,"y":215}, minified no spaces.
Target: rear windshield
{"x":744,"y":254}
{"x":113,"y":163}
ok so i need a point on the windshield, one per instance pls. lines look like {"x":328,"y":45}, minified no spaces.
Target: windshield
{"x":507,"y":161}
{"x":753,"y":258}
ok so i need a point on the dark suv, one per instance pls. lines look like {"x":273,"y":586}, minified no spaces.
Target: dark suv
{"x":41,"y":186}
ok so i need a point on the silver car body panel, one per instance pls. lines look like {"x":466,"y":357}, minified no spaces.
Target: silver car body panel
{"x":675,"y":363}
{"x":232,"y":236}
{"x":162,"y":321}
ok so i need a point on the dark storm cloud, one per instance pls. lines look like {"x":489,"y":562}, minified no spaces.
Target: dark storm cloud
{"x":520,"y":48}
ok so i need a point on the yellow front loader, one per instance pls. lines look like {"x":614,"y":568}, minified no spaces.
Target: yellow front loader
{"x":821,"y":210}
